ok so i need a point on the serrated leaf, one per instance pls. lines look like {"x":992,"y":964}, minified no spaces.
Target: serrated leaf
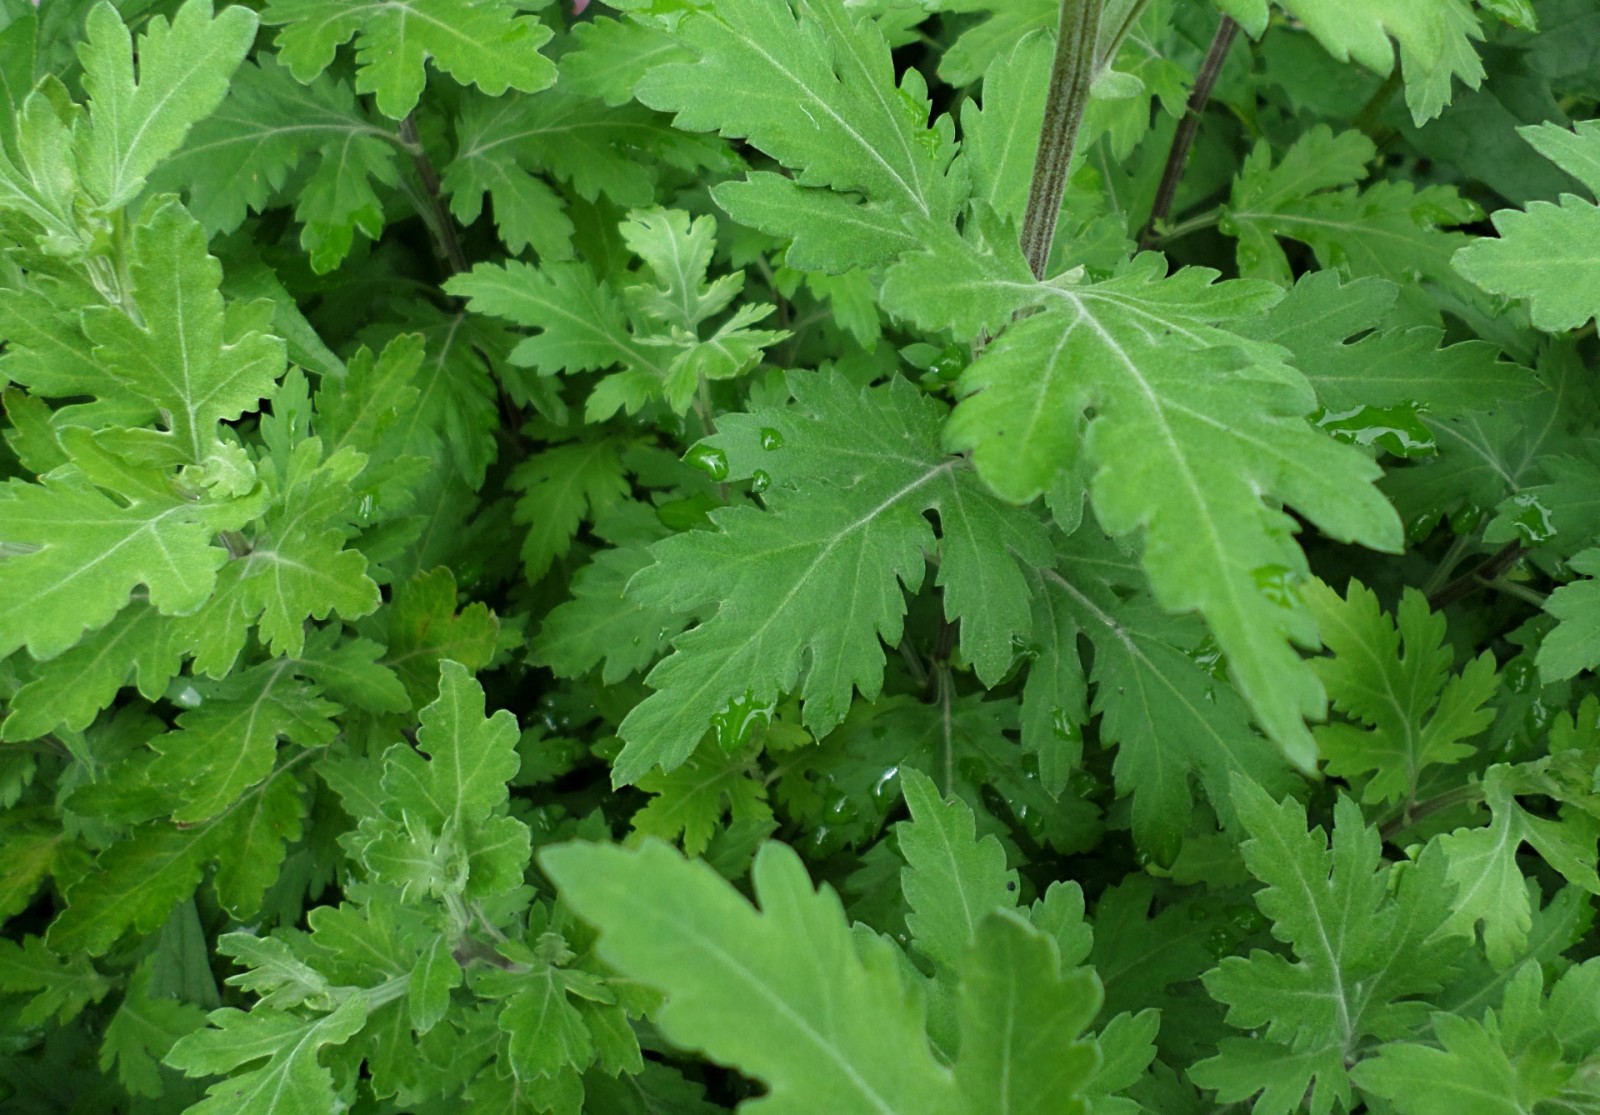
{"x":786,"y":994}
{"x":1389,"y":229}
{"x":601,"y":625}
{"x":229,"y":743}
{"x":1483,"y":861}
{"x":183,"y":72}
{"x":486,"y":43}
{"x":57,"y":986}
{"x":84,"y":538}
{"x":1189,"y":431}
{"x":1360,"y":955}
{"x":1573,"y":645}
{"x":691,"y":800}
{"x":1416,"y":714}
{"x":952,"y":880}
{"x":1388,"y":368}
{"x":1170,"y":716}
{"x":269,"y":132}
{"x":292,"y":1077}
{"x":142,"y":1031}
{"x":425,"y":629}
{"x":828,"y":109}
{"x":1021,"y":1023}
{"x":194,"y":362}
{"x":442,"y":827}
{"x":137,"y":646}
{"x":851,"y":473}
{"x":135,"y":882}
{"x":561,"y":487}
{"x":1547,"y":254}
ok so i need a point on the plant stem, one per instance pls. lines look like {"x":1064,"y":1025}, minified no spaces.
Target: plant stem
{"x":1418,"y":811}
{"x":444,"y":228}
{"x":1474,"y":579}
{"x":1188,"y":127}
{"x":1071,"y":74}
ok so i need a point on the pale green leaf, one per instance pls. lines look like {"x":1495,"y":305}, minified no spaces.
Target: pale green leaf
{"x":1191,"y":428}
{"x":194,"y":362}
{"x":1483,"y":861}
{"x":1548,"y":254}
{"x":292,"y":1079}
{"x":785,"y":994}
{"x":952,"y":880}
{"x":1022,"y":1021}
{"x":80,"y":542}
{"x":486,"y":43}
{"x":183,"y":73}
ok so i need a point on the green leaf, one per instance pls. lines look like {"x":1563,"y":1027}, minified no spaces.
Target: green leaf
{"x":561,"y":487}
{"x":73,"y":547}
{"x":1189,"y":432}
{"x":183,"y":73}
{"x":230,"y":741}
{"x":690,"y":801}
{"x":193,"y":361}
{"x":74,"y":687}
{"x":485,"y":43}
{"x":1390,"y":229}
{"x":785,"y":994}
{"x":1573,"y":645}
{"x":1470,"y":1073}
{"x":1160,"y":698}
{"x":952,"y":880}
{"x":274,"y":138}
{"x":425,"y":629}
{"x":654,"y":330}
{"x":138,"y":879}
{"x":443,"y":829}
{"x":1483,"y":861}
{"x":1021,"y":1023}
{"x":1547,"y":253}
{"x":291,"y":1079}
{"x":826,"y":537}
{"x":601,"y":625}
{"x":142,"y":1031}
{"x":1386,"y":367}
{"x":1415,"y":714}
{"x":828,"y":110}
{"x":1360,"y":954}
{"x":56,"y":986}
{"x":1360,"y":29}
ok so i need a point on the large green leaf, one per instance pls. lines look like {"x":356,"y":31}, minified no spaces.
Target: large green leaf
{"x":786,"y":994}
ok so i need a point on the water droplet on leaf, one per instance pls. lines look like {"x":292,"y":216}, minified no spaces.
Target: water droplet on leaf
{"x":760,"y":481}
{"x":709,"y":460}
{"x":771,"y":439}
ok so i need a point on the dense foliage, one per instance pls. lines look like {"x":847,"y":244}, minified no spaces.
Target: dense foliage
{"x":675,"y":555}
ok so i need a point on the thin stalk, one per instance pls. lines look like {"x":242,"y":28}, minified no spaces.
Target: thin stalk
{"x":1471,"y":581}
{"x":444,"y":228}
{"x":1071,"y":74}
{"x":1418,"y":811}
{"x":1448,"y":565}
{"x":1188,"y":127}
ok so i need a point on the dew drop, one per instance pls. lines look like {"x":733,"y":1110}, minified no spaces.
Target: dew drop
{"x":709,"y":460}
{"x":760,"y":481}
{"x":736,"y":720}
{"x":771,"y":439}
{"x":1276,"y":583}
